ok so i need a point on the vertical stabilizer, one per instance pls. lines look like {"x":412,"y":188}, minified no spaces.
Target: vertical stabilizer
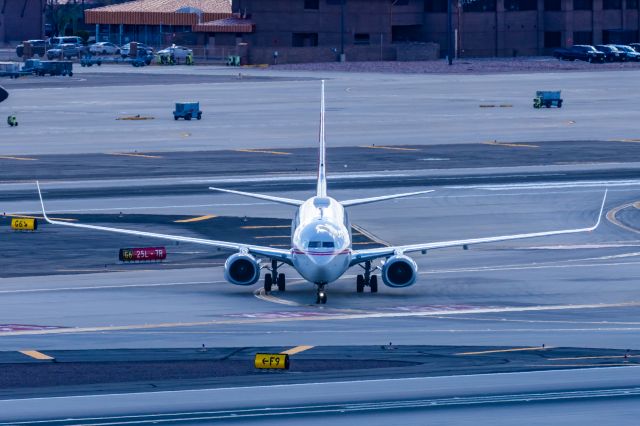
{"x":322,"y":177}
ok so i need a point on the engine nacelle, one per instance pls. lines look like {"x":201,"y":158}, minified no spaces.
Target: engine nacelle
{"x":241,"y":269}
{"x":399,"y":271}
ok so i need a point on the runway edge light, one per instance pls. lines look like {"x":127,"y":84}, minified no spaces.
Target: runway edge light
{"x":271,"y":361}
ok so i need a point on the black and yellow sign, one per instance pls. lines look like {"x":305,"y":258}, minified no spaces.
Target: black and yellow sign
{"x":272,"y":361}
{"x":24,"y":224}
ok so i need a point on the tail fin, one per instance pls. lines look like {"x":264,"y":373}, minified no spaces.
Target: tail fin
{"x":322,"y":177}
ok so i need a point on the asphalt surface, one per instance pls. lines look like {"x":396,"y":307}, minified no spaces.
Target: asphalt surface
{"x":141,"y":165}
{"x":362,"y":109}
{"x":508,"y":170}
{"x":121,"y":371}
{"x":42,"y":251}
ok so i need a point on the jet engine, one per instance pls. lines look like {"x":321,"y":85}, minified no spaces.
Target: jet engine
{"x":242,"y":269}
{"x":399,"y":271}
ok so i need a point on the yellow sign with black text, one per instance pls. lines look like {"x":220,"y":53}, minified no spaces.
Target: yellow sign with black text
{"x":24,"y":224}
{"x":272,"y":361}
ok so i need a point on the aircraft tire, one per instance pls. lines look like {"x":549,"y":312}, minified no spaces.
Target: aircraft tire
{"x":268,"y":282}
{"x":282,"y":283}
{"x":373,"y":284}
{"x":359,"y":283}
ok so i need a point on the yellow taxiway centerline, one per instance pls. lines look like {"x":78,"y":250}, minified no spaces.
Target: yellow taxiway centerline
{"x":533,"y":348}
{"x":261,"y":151}
{"x":369,"y":235}
{"x":7,"y":157}
{"x":390,"y":148}
{"x":265,"y":237}
{"x":133,"y":154}
{"x":625,"y":140}
{"x":196,"y":219}
{"x":578,"y":358}
{"x":296,"y":350}
{"x":611,"y":217}
{"x":64,"y":219}
{"x":36,"y":355}
{"x":512,"y":145}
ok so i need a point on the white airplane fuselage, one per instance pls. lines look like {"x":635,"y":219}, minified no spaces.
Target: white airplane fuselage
{"x":321,"y":240}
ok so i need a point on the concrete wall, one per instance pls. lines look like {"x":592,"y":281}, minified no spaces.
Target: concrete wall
{"x":291,"y":55}
{"x":21,"y":20}
{"x":505,"y":33}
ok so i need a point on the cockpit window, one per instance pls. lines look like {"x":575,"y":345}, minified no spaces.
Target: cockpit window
{"x":314,"y":244}
{"x":327,"y":244}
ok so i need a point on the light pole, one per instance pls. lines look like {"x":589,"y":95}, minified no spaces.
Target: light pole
{"x":342,"y":30}
{"x":450,"y":31}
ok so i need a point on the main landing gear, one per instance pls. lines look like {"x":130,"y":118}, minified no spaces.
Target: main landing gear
{"x":367,"y":280}
{"x":274,"y":277}
{"x":321,"y":297}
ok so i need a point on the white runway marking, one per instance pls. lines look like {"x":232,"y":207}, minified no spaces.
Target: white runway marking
{"x":553,"y":185}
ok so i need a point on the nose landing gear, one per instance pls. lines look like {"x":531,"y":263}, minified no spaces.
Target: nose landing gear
{"x":366,"y":279}
{"x":321,"y":297}
{"x":274,"y":277}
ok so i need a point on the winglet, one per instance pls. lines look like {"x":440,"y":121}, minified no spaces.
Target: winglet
{"x":44,"y":213}
{"x":604,"y":200}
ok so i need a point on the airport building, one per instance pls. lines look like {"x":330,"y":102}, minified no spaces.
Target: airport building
{"x":322,"y":30}
{"x":21,"y":20}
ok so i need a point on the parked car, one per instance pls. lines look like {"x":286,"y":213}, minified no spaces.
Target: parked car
{"x":38,"y":47}
{"x":176,"y":52}
{"x":628,"y":52}
{"x":67,"y":51}
{"x":126,"y":49}
{"x":581,"y":52}
{"x":66,"y":40}
{"x":104,"y":48}
{"x":611,"y":54}
{"x":635,"y":46}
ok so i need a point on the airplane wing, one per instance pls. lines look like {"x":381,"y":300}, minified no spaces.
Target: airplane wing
{"x":281,"y":200}
{"x":371,"y":254}
{"x":273,"y":253}
{"x":359,"y":201}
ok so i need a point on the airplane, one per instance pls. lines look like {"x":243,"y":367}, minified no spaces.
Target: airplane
{"x":321,"y":241}
{"x":3,"y":94}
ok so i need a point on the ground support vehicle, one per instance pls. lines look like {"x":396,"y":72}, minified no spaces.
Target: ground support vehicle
{"x":30,"y":66}
{"x":174,"y":54}
{"x":54,"y":68}
{"x":12,"y":121}
{"x":233,"y":61}
{"x":38,"y":48}
{"x":11,"y":70}
{"x":187,"y":110}
{"x":89,"y":61}
{"x":545,"y":98}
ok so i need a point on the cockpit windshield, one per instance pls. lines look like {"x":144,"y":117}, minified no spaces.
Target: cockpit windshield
{"x":321,"y":244}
